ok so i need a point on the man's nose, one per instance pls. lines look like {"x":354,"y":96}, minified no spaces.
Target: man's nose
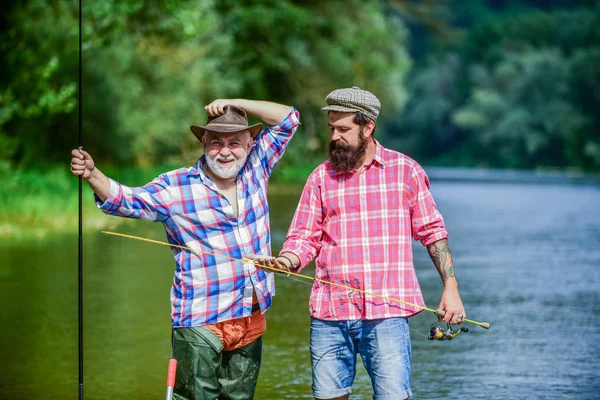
{"x":335,"y":136}
{"x":225,"y":151}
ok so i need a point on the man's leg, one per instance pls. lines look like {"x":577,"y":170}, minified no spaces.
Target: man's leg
{"x":239,"y":371}
{"x":333,"y":358}
{"x":198,"y":353}
{"x":384,"y":346}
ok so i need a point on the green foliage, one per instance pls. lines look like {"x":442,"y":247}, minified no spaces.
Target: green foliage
{"x":296,"y":52}
{"x":426,"y":119}
{"x":512,"y":85}
{"x":517,"y":91}
{"x":149,"y":67}
{"x":520,"y":112}
{"x":36,"y":89}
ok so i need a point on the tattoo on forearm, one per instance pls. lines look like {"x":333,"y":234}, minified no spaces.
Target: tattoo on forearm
{"x":442,"y":258}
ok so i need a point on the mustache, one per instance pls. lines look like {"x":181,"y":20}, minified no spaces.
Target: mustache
{"x":339,"y":145}
{"x":225,"y":159}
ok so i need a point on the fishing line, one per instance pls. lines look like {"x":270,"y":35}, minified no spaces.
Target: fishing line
{"x":296,"y":279}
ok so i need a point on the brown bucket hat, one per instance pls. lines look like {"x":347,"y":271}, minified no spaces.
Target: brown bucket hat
{"x":233,"y":119}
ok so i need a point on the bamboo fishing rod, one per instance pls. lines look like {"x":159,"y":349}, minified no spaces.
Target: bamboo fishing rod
{"x":441,"y":313}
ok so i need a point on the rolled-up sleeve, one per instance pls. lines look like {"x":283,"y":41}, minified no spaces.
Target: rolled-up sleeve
{"x":274,"y":140}
{"x":306,"y":230}
{"x":150,"y":202}
{"x":426,"y":221}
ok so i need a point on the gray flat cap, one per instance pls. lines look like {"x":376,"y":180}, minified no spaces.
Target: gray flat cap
{"x":353,"y":99}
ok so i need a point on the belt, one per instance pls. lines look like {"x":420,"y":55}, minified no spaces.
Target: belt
{"x":255,"y":307}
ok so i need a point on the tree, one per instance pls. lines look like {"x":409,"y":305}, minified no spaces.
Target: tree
{"x":521,"y":97}
{"x":150,"y":66}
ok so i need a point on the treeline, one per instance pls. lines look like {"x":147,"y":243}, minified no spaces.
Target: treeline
{"x":515,"y":85}
{"x":474,"y":83}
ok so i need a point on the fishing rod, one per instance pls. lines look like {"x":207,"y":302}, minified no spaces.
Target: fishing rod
{"x":80,"y":239}
{"x":441,"y":313}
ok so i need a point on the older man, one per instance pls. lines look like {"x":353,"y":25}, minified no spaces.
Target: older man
{"x":218,"y":208}
{"x":356,"y":215}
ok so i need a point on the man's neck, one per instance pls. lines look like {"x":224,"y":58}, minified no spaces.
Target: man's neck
{"x":221,"y":183}
{"x":369,"y":154}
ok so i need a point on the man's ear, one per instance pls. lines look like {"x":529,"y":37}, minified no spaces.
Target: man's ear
{"x":250,"y":142}
{"x":369,"y":128}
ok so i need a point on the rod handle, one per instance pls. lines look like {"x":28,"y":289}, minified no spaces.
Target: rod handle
{"x":171,"y":372}
{"x":484,"y":325}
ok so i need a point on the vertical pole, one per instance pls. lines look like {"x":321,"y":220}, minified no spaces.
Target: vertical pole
{"x":80,"y":244}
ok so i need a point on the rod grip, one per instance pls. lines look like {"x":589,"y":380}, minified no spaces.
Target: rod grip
{"x":485,"y":325}
{"x":171,"y":372}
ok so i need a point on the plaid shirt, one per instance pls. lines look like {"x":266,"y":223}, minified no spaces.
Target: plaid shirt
{"x":208,"y":289}
{"x":359,"y":226}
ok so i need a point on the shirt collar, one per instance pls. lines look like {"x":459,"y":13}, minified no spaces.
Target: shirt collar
{"x":197,"y":170}
{"x":378,"y":157}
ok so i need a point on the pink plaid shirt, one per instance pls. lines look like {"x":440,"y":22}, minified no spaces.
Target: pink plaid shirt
{"x":358,"y":225}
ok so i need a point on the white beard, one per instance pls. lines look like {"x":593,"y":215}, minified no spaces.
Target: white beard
{"x":225,"y":172}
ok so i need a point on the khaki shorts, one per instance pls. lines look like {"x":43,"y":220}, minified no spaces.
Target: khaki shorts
{"x":206,"y":372}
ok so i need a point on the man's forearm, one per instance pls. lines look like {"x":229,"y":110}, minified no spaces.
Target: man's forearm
{"x":271,"y":113}
{"x":442,"y":259}
{"x":99,"y":183}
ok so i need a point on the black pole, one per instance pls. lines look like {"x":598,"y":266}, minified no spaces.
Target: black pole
{"x":80,"y":249}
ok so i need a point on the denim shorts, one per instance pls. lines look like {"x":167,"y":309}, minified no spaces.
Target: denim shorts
{"x":383,"y":344}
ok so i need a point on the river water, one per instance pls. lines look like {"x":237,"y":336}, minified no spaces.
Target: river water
{"x":527,"y":258}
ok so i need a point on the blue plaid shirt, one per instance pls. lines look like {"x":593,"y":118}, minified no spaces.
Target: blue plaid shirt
{"x":208,"y":289}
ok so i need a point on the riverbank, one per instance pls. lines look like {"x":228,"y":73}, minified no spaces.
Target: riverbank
{"x":35,"y":203}
{"x":38,"y":203}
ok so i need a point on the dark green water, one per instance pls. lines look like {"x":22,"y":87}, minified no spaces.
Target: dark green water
{"x":527,"y":258}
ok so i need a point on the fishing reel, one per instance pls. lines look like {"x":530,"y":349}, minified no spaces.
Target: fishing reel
{"x":437,"y":332}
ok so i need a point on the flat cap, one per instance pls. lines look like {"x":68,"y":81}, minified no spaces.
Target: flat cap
{"x":353,"y":99}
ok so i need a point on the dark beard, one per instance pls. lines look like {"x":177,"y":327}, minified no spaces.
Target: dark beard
{"x":344,"y":157}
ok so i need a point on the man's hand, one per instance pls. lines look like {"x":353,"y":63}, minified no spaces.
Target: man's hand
{"x":453,"y":306}
{"x":82,"y":164}
{"x":271,"y":113}
{"x":215,"y":108}
{"x":261,"y":261}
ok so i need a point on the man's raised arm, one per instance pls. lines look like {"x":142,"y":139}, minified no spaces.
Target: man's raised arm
{"x":271,"y":113}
